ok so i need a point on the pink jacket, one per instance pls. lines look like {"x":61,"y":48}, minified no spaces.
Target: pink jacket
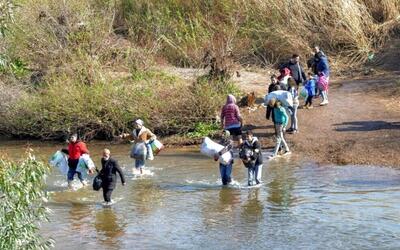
{"x":230,"y":114}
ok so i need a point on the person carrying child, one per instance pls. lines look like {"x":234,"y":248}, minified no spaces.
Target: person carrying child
{"x":281,"y":121}
{"x":250,"y":153}
{"x":225,"y":169}
{"x":310,"y":87}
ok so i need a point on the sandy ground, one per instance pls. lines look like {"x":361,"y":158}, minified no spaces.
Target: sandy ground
{"x":361,"y":124}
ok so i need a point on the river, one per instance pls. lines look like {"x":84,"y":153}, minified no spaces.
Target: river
{"x":181,"y":205}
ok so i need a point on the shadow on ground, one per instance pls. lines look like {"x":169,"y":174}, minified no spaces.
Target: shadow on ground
{"x":366,"y":126}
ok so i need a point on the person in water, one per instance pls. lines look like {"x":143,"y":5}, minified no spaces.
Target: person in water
{"x":76,"y":149}
{"x":251,"y":155}
{"x":225,"y":169}
{"x":108,"y":174}
{"x":140,"y":134}
{"x":231,"y":119}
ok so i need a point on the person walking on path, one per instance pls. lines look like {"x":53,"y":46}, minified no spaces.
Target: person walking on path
{"x":296,"y":70}
{"x":293,"y":110}
{"x":76,"y":149}
{"x":281,"y":121}
{"x":108,"y":174}
{"x":231,"y":119}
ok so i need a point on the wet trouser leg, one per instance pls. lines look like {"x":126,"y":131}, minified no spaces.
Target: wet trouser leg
{"x":226,"y":171}
{"x":294,"y":118}
{"x":107,"y":194}
{"x":279,"y":138}
{"x":258,"y":173}
{"x":251,"y":175}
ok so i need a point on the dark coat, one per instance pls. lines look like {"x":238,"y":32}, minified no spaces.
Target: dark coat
{"x":256,"y":159}
{"x":297,"y":72}
{"x":109,"y":173}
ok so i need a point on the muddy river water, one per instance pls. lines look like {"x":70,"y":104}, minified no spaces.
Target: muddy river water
{"x":180,"y":204}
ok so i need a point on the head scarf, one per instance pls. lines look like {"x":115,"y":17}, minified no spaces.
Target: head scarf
{"x":139,"y":122}
{"x":230,"y":99}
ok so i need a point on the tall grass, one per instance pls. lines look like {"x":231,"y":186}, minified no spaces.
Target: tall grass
{"x":261,"y":31}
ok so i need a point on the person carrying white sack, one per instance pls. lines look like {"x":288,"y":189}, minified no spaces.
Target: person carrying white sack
{"x":142,"y":137}
{"x":225,"y":169}
{"x":284,"y":97}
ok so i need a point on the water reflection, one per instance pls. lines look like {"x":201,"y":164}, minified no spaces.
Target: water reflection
{"x":109,"y":228}
{"x":146,"y":196}
{"x":252,"y":210}
{"x":79,"y":216}
{"x":281,"y":187}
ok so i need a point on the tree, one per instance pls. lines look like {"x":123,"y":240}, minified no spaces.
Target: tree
{"x":22,"y":196}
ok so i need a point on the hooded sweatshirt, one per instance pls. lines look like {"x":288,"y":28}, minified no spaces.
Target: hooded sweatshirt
{"x":230,"y":114}
{"x":256,"y":159}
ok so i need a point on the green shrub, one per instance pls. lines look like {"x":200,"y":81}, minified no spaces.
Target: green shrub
{"x":21,"y":207}
{"x":202,"y":129}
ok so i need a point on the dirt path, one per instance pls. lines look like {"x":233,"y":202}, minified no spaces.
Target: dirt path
{"x":361,"y":124}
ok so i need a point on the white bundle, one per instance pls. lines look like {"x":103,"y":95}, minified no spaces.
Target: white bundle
{"x":210,"y":148}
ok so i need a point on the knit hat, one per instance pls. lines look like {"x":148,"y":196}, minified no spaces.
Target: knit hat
{"x":226,"y":133}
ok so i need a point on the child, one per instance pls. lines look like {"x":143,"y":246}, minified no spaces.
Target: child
{"x":283,"y":78}
{"x":293,"y":90}
{"x":323,"y":85}
{"x":250,"y":153}
{"x":281,"y":120}
{"x":274,"y":85}
{"x":310,"y":87}
{"x":225,"y":170}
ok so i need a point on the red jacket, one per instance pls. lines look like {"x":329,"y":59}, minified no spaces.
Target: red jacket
{"x":75,"y":150}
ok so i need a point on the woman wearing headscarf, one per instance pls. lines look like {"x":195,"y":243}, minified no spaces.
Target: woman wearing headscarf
{"x":140,"y":136}
{"x":231,"y":119}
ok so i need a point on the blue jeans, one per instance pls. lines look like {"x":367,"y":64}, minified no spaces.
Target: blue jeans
{"x":226,"y":171}
{"x":139,"y":164}
{"x":71,"y":173}
{"x":254,"y":175}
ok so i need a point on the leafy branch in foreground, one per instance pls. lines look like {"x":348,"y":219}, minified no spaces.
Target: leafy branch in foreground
{"x":21,"y":204}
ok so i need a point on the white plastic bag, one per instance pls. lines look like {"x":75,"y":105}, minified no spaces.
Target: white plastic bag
{"x":139,"y":151}
{"x":210,"y":148}
{"x":285,"y":97}
{"x":85,"y":163}
{"x":149,"y":155}
{"x":60,"y":161}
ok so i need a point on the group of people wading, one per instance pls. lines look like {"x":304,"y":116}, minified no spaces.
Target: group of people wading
{"x":281,"y":101}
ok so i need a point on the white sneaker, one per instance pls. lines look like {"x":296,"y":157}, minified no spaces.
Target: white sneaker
{"x":84,"y":183}
{"x":288,"y":152}
{"x":323,"y":103}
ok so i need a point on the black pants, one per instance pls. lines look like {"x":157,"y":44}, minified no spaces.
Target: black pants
{"x":107,"y":194}
{"x":309,"y":100}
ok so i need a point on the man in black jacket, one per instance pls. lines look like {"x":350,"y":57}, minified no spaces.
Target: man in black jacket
{"x":296,"y":70}
{"x":108,"y":173}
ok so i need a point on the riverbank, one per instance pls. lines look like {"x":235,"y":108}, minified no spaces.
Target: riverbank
{"x":361,"y":124}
